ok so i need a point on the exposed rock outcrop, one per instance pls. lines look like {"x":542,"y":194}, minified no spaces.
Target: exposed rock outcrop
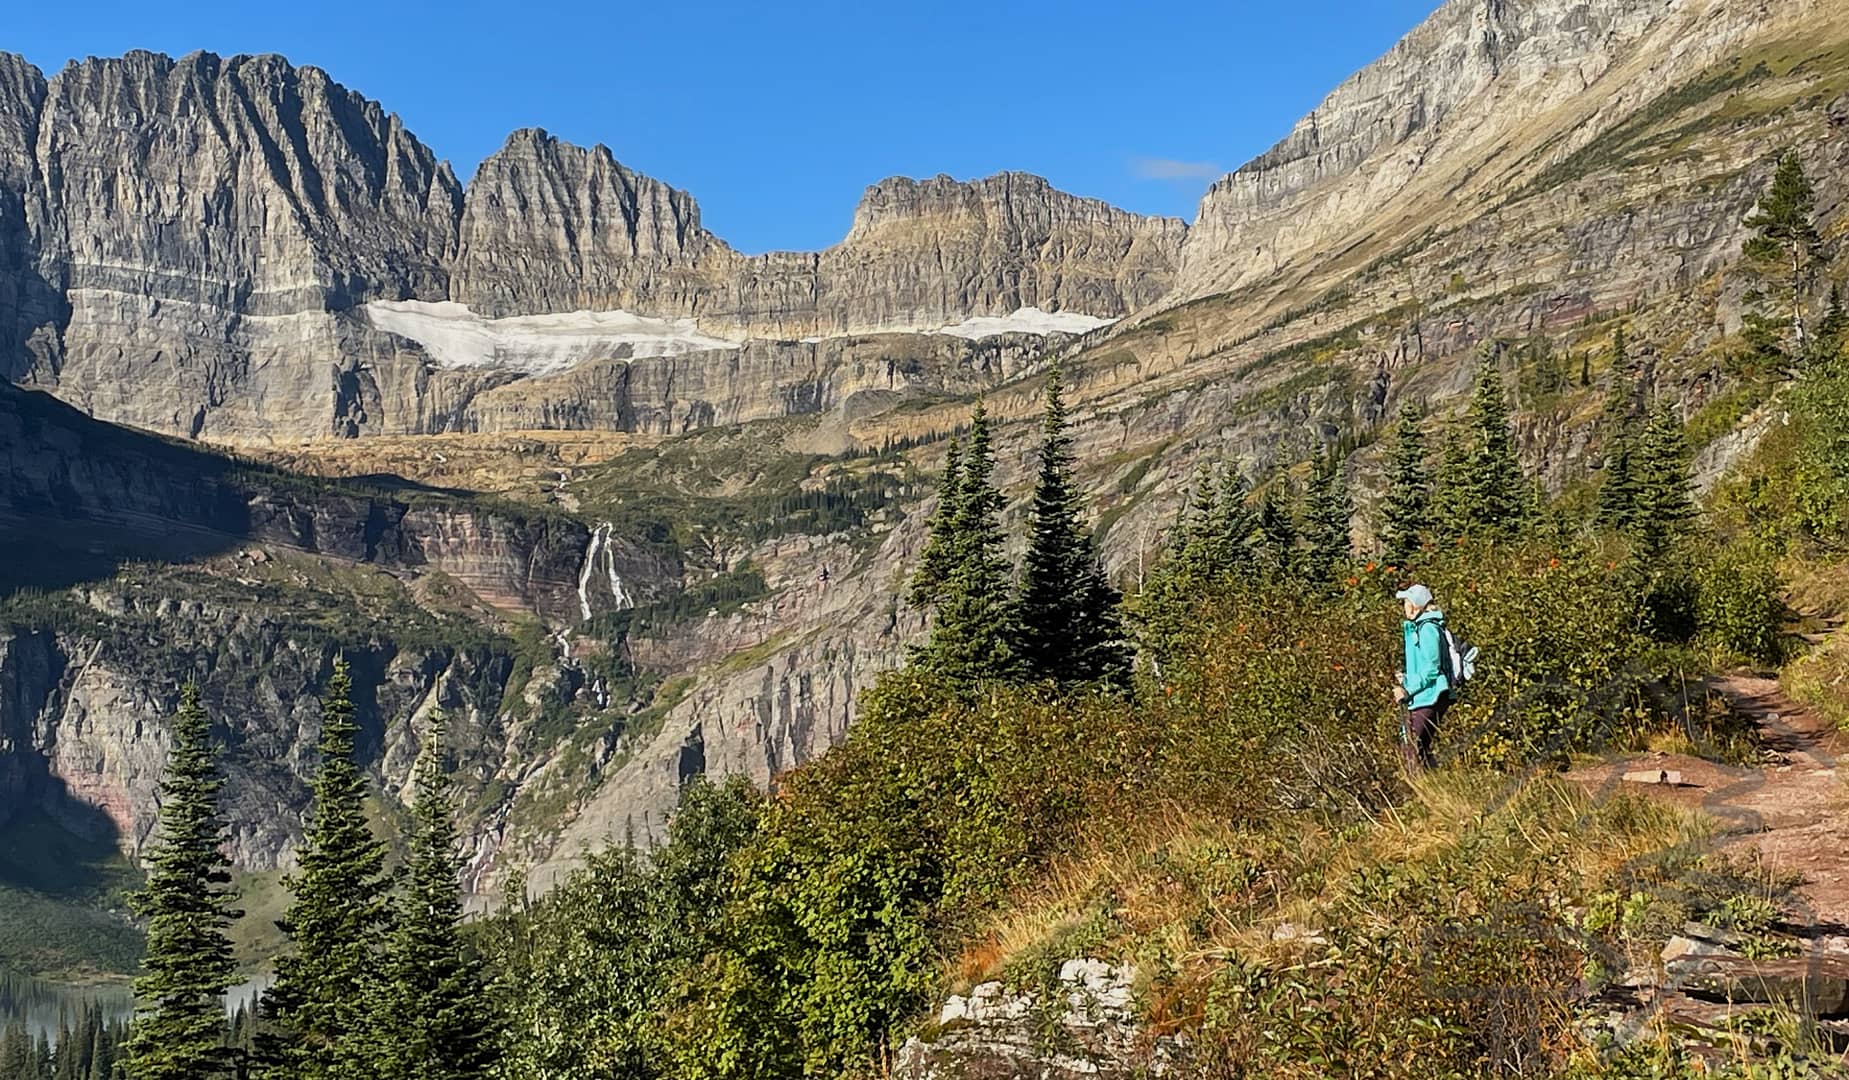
{"x":80,"y":494}
{"x":1455,"y":118}
{"x":188,"y":246}
{"x":549,"y":227}
{"x":1084,"y":1024}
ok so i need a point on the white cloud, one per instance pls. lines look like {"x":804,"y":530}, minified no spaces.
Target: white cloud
{"x":1157,"y":168}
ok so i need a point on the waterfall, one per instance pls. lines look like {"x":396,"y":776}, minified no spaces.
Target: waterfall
{"x":601,"y":545}
{"x":598,"y":536}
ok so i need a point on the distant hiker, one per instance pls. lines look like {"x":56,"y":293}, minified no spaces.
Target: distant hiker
{"x":1424,"y":687}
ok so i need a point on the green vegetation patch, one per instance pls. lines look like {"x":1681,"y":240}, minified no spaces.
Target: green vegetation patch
{"x":64,"y":901}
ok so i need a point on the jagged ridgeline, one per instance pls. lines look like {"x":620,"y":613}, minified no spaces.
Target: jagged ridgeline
{"x":627,"y":508}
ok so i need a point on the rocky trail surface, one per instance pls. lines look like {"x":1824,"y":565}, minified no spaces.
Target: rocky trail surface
{"x":1791,"y":809}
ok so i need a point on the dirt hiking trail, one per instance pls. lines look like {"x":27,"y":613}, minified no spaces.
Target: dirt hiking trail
{"x":1793,"y":809}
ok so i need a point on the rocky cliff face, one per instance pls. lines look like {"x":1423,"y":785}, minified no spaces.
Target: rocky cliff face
{"x":202,"y":218}
{"x":79,"y":494}
{"x":548,"y":226}
{"x":1453,"y":120}
{"x":189,"y":246}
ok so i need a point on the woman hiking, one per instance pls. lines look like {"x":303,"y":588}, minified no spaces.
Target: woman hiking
{"x":1424,"y":688}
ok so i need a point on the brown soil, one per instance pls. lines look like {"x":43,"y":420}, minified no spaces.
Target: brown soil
{"x":1793,"y":809}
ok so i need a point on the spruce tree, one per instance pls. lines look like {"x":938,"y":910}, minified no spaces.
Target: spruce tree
{"x":317,"y":1017}
{"x":1663,"y":506}
{"x":1406,"y":510}
{"x":1451,"y":491}
{"x":1065,"y":619}
{"x":1329,"y":515}
{"x":16,"y":1052}
{"x":1495,"y":495}
{"x":970,"y":642}
{"x":1277,"y":528}
{"x":440,"y":1024}
{"x":927,"y":585}
{"x":179,"y":1028}
{"x":1231,"y":528}
{"x":1618,"y":488}
{"x":1193,"y":524}
{"x":1786,"y":245}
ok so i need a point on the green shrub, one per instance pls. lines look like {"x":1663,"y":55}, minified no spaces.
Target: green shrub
{"x":1564,"y":656}
{"x":1741,"y":608}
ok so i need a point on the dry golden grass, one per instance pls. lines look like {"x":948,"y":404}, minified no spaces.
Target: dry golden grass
{"x":1191,"y":890}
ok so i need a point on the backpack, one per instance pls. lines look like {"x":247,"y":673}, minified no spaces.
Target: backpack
{"x":1457,"y":658}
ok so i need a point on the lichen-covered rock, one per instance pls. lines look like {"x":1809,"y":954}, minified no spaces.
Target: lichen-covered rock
{"x":1084,"y":1025}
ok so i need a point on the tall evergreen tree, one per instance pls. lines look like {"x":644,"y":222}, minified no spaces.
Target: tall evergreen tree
{"x":16,"y":1052}
{"x":1277,"y":529}
{"x":1406,"y":510}
{"x":1618,"y":488}
{"x":1786,"y":245}
{"x":934,"y":562}
{"x":318,"y":1015}
{"x":1451,"y":490}
{"x":1495,"y":495}
{"x":1065,"y":618}
{"x":1663,"y":506}
{"x":971,"y":641}
{"x":1231,"y":528}
{"x":1329,"y":515}
{"x":441,"y":1025}
{"x":1196,"y":517}
{"x":179,"y":1027}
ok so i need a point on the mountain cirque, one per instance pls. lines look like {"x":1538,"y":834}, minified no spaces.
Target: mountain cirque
{"x":192,"y":246}
{"x":1535,"y":170}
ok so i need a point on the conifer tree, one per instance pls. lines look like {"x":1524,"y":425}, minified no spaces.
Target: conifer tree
{"x":441,"y":1026}
{"x":1065,"y":617}
{"x":1231,"y":528}
{"x":1450,"y":492}
{"x":1618,"y":489}
{"x":179,"y":1028}
{"x":16,"y":1052}
{"x":1663,"y":506}
{"x":970,"y":642}
{"x":1329,"y":516}
{"x":1406,"y":511}
{"x":1495,"y":494}
{"x":1277,"y":528}
{"x":927,"y":585}
{"x":1196,"y":516}
{"x":1787,"y":247}
{"x":317,"y":1022}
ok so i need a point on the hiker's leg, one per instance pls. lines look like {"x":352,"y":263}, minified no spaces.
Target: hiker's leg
{"x":1437,"y":717}
{"x":1418,"y":739}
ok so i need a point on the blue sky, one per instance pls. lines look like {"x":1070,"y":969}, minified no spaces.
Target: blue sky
{"x":777,"y":115}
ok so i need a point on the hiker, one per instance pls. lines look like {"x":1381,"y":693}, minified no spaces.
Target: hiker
{"x":1424,"y":689}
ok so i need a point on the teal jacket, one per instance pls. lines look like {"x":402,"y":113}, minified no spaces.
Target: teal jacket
{"x":1425,"y":679}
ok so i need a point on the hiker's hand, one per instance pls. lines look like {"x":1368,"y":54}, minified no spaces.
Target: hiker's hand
{"x":1399,"y":693}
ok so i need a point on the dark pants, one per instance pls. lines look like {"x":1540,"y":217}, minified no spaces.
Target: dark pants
{"x":1421,"y":727}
